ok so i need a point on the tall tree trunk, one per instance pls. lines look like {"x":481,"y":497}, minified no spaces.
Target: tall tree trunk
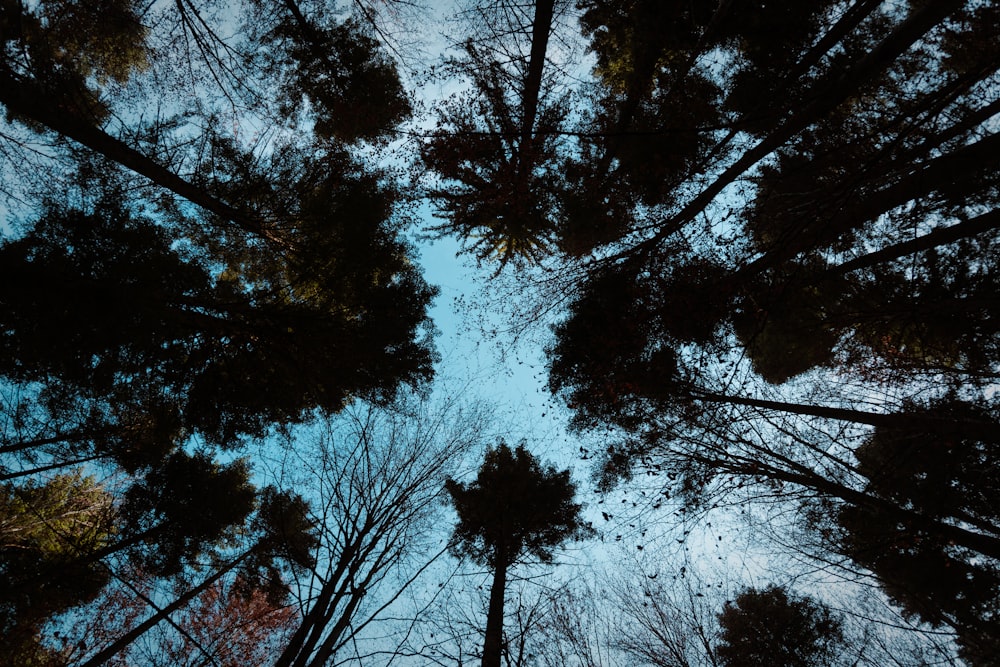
{"x":52,"y":466}
{"x":125,"y":640}
{"x":306,"y":636}
{"x":493,"y":644}
{"x":78,"y":435}
{"x":540,"y":28}
{"x":951,"y":173}
{"x":26,"y":99}
{"x":965,"y":427}
{"x":942,"y":236}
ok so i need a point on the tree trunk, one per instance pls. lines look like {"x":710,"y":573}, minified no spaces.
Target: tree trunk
{"x":871,"y":65}
{"x":942,"y":236}
{"x":948,"y":174}
{"x":71,"y":436}
{"x":125,"y":640}
{"x":52,"y":466}
{"x":493,"y":644}
{"x":965,"y":427}
{"x":314,"y":621}
{"x":540,"y":29}
{"x":23,"y":99}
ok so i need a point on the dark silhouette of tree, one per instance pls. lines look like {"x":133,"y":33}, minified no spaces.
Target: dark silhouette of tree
{"x":951,"y":478}
{"x":138,"y":343}
{"x":494,"y":149}
{"x":646,"y":64}
{"x":775,"y":224}
{"x":378,"y":475}
{"x":310,"y":227}
{"x":67,"y":47}
{"x":181,"y":510}
{"x":847,"y":251}
{"x":770,"y":627}
{"x":231,"y":623}
{"x":98,"y":301}
{"x":513,"y":510}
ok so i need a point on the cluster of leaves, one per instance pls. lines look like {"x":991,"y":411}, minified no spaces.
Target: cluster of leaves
{"x":768,"y":627}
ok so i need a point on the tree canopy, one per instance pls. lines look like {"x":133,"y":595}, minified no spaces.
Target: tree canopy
{"x":515,"y":509}
{"x":767,"y":627}
{"x":764,"y":236}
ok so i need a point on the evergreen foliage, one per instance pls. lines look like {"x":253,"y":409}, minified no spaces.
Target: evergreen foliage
{"x":769,"y":627}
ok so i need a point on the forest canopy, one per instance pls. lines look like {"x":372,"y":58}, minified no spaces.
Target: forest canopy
{"x":758,"y":239}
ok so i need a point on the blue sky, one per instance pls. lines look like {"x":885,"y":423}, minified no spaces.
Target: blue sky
{"x":511,"y":375}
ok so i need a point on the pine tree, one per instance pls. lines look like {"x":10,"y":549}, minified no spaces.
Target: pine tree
{"x":514,"y":509}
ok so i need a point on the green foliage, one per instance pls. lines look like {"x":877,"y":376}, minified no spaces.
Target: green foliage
{"x":47,"y":530}
{"x":286,"y":540}
{"x":106,"y":42}
{"x":497,"y":179}
{"x":603,"y":358}
{"x":66,"y":46}
{"x":185,"y":505}
{"x":514,"y":508}
{"x":102,"y":301}
{"x":788,"y":332}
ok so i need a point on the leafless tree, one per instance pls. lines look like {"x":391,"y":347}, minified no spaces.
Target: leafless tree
{"x":375,"y":477}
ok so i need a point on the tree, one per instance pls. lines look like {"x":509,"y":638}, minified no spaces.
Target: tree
{"x":47,"y":533}
{"x":311,"y":242}
{"x":666,"y":623}
{"x":68,"y":46}
{"x":514,"y":509}
{"x":495,"y":147}
{"x":769,"y":627}
{"x":181,"y":288}
{"x":377,"y":475}
{"x":823,"y":140}
{"x":845,"y":266}
{"x":95,"y":319}
{"x":775,"y":225}
{"x":943,"y":476}
{"x":233,"y":622}
{"x":575,"y":629}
